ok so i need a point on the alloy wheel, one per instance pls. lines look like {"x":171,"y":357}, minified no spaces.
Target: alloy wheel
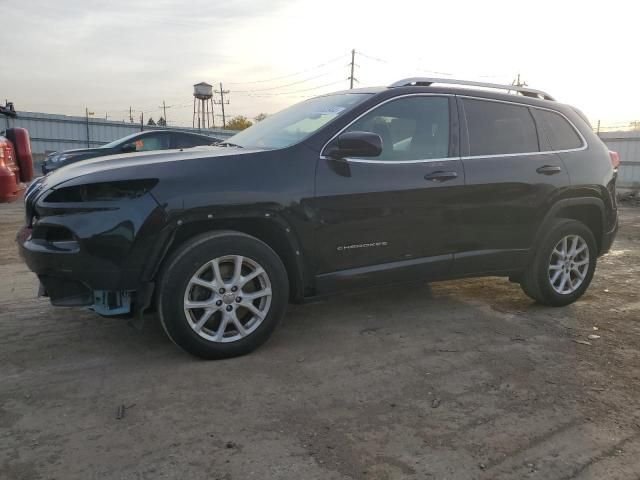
{"x":227,"y":298}
{"x":568,"y":264}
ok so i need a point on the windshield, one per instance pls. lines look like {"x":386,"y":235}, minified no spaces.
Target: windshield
{"x":295,"y":123}
{"x":120,"y":141}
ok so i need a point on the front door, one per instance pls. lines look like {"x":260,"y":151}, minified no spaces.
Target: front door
{"x":393,"y":215}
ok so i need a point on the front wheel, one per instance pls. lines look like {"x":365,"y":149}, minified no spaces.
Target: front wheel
{"x":563,"y":264}
{"x":222,"y":294}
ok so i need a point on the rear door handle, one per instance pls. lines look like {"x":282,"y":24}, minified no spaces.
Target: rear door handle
{"x":549,"y":170}
{"x":440,"y":176}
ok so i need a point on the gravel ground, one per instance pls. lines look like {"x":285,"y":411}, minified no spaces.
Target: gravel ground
{"x":454,"y":380}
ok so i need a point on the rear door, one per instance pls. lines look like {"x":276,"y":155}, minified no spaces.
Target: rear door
{"x":511,"y":184}
{"x":400,"y":206}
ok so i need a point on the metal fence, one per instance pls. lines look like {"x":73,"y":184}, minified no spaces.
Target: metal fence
{"x":627,"y":144}
{"x":50,"y":132}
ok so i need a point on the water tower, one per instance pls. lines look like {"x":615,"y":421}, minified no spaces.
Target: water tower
{"x":203,"y":105}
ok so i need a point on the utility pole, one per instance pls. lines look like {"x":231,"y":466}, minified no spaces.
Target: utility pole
{"x":86,"y":111}
{"x":87,"y":114}
{"x":142,"y":121}
{"x":353,"y":59}
{"x":130,"y":115}
{"x":164,"y":109}
{"x":222,"y":102}
{"x":517,"y":83}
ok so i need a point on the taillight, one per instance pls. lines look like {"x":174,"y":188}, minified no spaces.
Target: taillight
{"x":615,"y":159}
{"x":2,"y":153}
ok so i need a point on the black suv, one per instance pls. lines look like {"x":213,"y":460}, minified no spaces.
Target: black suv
{"x":136,"y":142}
{"x":420,"y":181}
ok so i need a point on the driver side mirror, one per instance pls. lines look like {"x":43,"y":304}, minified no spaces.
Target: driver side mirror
{"x":356,"y":144}
{"x":128,"y":148}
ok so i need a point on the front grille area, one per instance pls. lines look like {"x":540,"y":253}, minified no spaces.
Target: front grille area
{"x":52,"y":233}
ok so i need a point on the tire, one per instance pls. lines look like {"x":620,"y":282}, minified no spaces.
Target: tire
{"x":203,"y":319}
{"x":554,"y":279}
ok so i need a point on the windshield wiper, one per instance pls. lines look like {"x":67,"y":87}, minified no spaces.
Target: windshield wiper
{"x":228,"y":144}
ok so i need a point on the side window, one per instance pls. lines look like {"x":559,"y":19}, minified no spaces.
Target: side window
{"x":497,"y":128}
{"x":147,"y":143}
{"x":556,"y":132}
{"x":411,"y":128}
{"x":183,"y":140}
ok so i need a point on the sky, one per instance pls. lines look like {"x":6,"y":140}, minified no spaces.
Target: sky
{"x":62,"y":56}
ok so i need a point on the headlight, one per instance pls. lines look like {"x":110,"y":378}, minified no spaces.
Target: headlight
{"x":59,"y":158}
{"x":99,"y":192}
{"x":35,"y":185}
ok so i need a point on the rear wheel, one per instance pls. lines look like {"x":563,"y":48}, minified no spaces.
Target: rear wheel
{"x":563,"y":264}
{"x":222,"y":294}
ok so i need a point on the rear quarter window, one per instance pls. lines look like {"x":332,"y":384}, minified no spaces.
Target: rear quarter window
{"x":497,"y":128}
{"x":556,"y":133}
{"x":180,"y":140}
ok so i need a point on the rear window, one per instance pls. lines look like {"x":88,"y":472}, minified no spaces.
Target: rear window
{"x":154,"y":141}
{"x":556,"y":132}
{"x":182,"y":140}
{"x":499,"y":128}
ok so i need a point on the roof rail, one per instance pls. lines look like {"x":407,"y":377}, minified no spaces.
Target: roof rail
{"x":425,"y":82}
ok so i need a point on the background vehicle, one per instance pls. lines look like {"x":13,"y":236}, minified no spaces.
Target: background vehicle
{"x":137,"y":142}
{"x":16,"y":163}
{"x":418,"y":181}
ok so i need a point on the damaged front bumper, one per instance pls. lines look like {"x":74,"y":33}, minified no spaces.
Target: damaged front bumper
{"x":98,"y":254}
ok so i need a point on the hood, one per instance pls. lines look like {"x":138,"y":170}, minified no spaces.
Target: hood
{"x":139,"y":164}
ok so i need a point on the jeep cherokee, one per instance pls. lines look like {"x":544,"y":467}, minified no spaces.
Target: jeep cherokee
{"x":427,"y":179}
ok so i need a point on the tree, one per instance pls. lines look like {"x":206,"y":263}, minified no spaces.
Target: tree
{"x":239,"y":123}
{"x":260,"y":117}
{"x":635,"y":125}
{"x":162,"y":122}
{"x":151,"y":121}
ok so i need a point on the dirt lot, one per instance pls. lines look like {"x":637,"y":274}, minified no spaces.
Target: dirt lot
{"x":456,"y":380}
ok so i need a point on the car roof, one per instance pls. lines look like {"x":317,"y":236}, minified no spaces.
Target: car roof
{"x":169,"y":130}
{"x":474,"y":92}
{"x":392,"y":91}
{"x":356,"y":90}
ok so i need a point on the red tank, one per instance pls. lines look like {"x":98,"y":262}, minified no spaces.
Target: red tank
{"x":19,"y":137}
{"x":16,"y":163}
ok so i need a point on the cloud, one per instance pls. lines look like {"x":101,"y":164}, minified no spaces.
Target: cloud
{"x":63,"y":55}
{"x":118,"y":52}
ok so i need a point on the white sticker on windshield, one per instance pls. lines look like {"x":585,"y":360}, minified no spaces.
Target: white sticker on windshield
{"x":330,"y":111}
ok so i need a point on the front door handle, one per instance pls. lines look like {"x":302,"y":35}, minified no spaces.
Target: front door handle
{"x":549,"y":170}
{"x":440,"y":176}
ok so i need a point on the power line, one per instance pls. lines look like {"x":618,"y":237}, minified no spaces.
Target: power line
{"x":293,"y":91}
{"x":283,"y":89}
{"x":382,"y":60}
{"x":297,"y":82}
{"x":371,"y":57}
{"x":266,"y":80}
